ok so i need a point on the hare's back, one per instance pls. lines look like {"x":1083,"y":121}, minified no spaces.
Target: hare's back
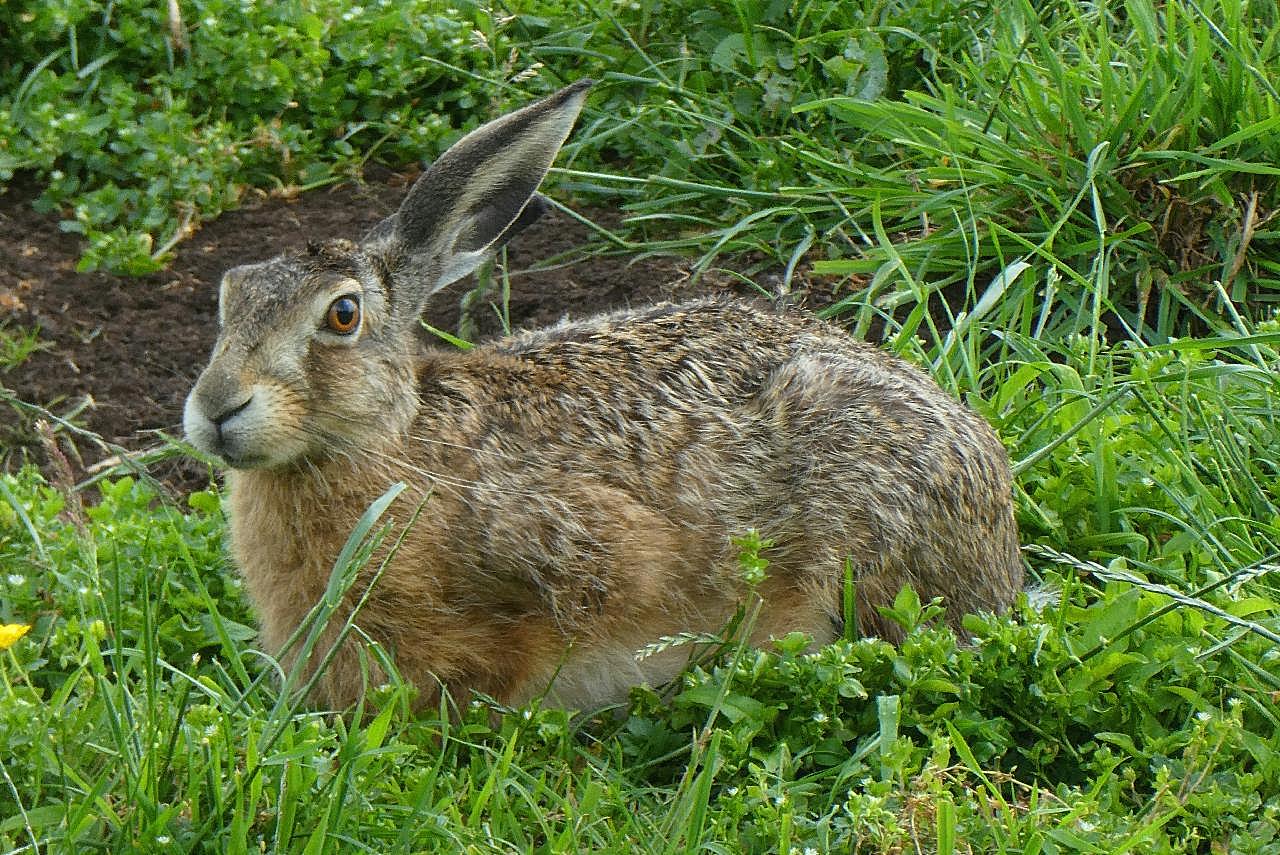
{"x":728,"y":408}
{"x":717,"y":346}
{"x":721,"y":352}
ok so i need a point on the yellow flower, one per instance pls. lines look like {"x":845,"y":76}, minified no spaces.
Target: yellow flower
{"x":11,"y":632}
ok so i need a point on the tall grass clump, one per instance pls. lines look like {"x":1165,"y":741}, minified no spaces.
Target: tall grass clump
{"x":1121,"y":154}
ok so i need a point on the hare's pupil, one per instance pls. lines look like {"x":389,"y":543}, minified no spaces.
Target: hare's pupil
{"x":344,"y":313}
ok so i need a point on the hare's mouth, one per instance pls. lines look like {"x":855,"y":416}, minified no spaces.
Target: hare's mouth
{"x":229,"y":452}
{"x":236,"y":455}
{"x":238,"y":452}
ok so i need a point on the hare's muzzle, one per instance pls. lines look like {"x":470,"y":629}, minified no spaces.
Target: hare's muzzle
{"x":230,"y":421}
{"x":215,"y":426}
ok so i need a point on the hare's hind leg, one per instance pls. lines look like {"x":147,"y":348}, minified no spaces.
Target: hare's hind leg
{"x":897,"y":479}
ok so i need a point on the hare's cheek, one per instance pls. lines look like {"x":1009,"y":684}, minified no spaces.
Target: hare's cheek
{"x":271,"y":431}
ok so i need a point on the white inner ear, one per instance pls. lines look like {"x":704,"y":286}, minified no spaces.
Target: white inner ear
{"x":458,"y":265}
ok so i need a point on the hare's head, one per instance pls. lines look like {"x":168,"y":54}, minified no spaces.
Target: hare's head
{"x":315,"y":350}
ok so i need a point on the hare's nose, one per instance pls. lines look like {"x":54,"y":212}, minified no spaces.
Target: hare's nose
{"x":229,"y":413}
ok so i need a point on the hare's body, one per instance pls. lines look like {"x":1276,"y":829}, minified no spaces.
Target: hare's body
{"x":570,"y":525}
{"x":579,"y":486}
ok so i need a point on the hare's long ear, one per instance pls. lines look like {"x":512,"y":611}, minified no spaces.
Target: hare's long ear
{"x":473,"y":199}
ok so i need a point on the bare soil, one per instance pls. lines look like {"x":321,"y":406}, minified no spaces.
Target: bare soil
{"x":122,"y":352}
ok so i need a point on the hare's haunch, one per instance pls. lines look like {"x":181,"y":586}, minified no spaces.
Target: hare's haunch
{"x":582,"y":483}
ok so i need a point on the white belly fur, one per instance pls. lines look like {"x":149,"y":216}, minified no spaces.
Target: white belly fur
{"x":606,"y":674}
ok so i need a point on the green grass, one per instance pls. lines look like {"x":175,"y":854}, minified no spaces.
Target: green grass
{"x":912,"y":145}
{"x":16,"y":345}
{"x":1063,"y":212}
{"x":1134,"y":715}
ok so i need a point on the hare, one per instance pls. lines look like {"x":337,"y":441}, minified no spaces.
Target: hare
{"x":577,"y":488}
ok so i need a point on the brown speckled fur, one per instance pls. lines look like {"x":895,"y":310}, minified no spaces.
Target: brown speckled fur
{"x":580,"y":484}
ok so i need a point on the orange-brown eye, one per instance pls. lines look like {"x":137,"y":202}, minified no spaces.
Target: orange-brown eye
{"x":344,"y":315}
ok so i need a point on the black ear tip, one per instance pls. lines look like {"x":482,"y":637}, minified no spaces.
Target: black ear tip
{"x":577,"y":87}
{"x":535,"y":208}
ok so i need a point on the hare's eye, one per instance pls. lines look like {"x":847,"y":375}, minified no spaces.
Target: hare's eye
{"x":344,"y":315}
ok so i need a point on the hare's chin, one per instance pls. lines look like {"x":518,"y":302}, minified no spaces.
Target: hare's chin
{"x":241,"y":452}
{"x":253,"y":462}
{"x":243,"y":458}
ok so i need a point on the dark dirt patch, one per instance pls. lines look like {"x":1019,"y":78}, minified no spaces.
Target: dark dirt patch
{"x":129,"y":348}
